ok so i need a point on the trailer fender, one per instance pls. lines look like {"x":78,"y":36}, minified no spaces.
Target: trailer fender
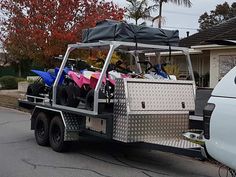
{"x":73,"y":123}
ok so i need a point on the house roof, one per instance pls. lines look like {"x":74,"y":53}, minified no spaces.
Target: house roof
{"x":225,"y":30}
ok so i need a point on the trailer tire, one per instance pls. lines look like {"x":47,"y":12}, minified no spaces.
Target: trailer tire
{"x":56,"y":135}
{"x":41,"y":131}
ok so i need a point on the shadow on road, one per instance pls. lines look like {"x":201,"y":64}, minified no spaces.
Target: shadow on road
{"x":146,"y":160}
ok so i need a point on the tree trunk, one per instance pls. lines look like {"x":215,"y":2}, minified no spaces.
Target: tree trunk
{"x":136,"y":21}
{"x":19,"y":69}
{"x":160,"y":14}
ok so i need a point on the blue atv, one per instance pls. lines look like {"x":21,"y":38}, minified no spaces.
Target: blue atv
{"x":158,"y":69}
{"x":43,"y":85}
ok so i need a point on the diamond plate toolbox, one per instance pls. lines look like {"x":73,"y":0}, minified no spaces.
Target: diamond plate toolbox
{"x":152,"y":111}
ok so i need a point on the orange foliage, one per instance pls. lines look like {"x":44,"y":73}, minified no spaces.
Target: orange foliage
{"x":41,"y":29}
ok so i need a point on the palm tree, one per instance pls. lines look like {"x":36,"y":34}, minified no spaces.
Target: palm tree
{"x":186,"y":3}
{"x":139,"y":9}
{"x":162,"y":19}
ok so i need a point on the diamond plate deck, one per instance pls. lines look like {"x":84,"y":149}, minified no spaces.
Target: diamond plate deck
{"x":175,"y":143}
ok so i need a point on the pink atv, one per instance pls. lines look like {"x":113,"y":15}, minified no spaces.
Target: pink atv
{"x":81,"y":91}
{"x":86,"y":82}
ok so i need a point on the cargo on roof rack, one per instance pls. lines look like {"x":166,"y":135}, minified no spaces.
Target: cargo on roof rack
{"x":110,"y":30}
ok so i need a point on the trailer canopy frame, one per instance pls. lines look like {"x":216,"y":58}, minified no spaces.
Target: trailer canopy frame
{"x":130,"y":47}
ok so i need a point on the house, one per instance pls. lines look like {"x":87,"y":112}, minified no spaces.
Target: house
{"x":215,"y":50}
{"x":212,"y":52}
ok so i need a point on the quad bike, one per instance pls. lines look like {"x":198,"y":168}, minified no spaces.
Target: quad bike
{"x":43,"y":85}
{"x":107,"y":90}
{"x":75,"y":93}
{"x":81,"y":91}
{"x":154,"y":71}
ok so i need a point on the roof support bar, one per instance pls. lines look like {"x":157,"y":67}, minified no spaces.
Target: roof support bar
{"x":65,"y":58}
{"x":102,"y":75}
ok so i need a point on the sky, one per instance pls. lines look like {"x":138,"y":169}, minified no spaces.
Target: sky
{"x":182,"y":18}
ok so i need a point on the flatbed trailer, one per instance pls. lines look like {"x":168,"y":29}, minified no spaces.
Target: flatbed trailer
{"x":146,"y":112}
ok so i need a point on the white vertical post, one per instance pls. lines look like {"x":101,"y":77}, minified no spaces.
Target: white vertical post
{"x":138,"y":64}
{"x":136,"y":58}
{"x":102,"y":75}
{"x":65,"y":58}
{"x":190,"y":69}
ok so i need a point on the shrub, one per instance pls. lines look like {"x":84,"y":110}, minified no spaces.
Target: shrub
{"x":8,"y":82}
{"x":20,"y":79}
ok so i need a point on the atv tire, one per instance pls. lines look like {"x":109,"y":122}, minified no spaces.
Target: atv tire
{"x":90,"y":101}
{"x":62,"y":96}
{"x":35,"y":89}
{"x":68,"y":95}
{"x":57,"y":97}
{"x":73,"y":93}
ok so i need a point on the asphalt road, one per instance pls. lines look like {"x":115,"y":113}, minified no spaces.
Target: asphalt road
{"x":20,"y":156}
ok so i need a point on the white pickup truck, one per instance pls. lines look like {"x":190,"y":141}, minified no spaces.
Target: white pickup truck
{"x":219,"y":117}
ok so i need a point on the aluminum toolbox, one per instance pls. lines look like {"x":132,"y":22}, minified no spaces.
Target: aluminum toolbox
{"x":152,"y":111}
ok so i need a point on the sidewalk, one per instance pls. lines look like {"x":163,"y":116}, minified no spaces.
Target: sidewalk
{"x":9,"y":98}
{"x":11,"y":93}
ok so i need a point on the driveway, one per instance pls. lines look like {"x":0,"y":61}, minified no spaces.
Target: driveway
{"x":20,"y":156}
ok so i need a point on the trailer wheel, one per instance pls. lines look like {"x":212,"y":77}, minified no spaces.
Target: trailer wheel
{"x":56,"y":135}
{"x":42,"y":129}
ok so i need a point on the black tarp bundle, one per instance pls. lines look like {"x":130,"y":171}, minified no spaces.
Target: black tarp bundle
{"x":110,"y":30}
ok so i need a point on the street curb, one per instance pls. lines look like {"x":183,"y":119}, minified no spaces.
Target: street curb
{"x":10,"y":102}
{"x":15,"y":110}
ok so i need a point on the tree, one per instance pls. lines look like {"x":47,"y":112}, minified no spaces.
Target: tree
{"x":221,"y":13}
{"x":41,"y":29}
{"x":186,"y":3}
{"x":139,"y":9}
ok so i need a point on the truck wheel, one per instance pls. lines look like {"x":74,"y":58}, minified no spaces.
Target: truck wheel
{"x":56,"y":134}
{"x":42,"y":129}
